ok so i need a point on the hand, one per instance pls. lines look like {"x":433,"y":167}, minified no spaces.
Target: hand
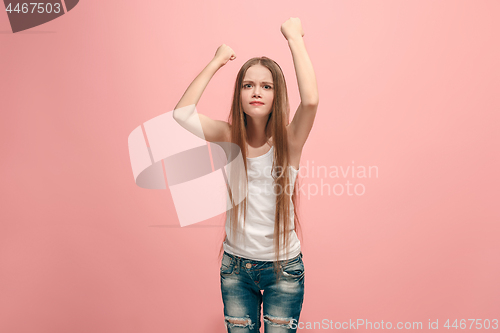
{"x":223,"y":54}
{"x":292,"y":28}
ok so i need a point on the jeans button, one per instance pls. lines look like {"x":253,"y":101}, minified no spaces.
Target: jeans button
{"x":248,"y":265}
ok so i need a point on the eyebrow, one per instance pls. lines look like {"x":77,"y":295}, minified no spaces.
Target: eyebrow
{"x":253,"y":82}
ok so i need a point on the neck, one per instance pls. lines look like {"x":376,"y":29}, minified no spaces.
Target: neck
{"x":256,"y":134}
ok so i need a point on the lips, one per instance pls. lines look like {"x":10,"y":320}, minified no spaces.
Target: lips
{"x":256,"y":103}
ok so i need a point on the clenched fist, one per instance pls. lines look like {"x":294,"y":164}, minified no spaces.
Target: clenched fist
{"x":292,"y":28}
{"x":223,"y":54}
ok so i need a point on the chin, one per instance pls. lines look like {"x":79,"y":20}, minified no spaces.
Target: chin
{"x":257,"y":114}
{"x":260,"y":113}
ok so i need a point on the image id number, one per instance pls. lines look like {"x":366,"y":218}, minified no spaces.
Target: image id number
{"x":25,"y":7}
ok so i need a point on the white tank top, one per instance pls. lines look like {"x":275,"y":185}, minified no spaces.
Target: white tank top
{"x":257,"y":240}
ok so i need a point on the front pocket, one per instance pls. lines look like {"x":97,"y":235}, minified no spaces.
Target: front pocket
{"x":294,"y":270}
{"x":226,"y":267}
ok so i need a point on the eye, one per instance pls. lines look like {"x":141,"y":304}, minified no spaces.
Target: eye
{"x":267,"y":87}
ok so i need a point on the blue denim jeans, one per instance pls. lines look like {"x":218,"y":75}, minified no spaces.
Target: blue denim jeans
{"x":242,"y":281}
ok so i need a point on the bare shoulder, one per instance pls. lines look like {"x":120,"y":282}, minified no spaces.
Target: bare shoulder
{"x":215,"y":130}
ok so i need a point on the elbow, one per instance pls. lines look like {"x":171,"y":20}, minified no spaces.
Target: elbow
{"x":175,"y":115}
{"x":182,"y":114}
{"x":179,"y":116}
{"x":311,"y":102}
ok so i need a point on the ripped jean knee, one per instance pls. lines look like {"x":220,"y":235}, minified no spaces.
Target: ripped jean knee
{"x":277,"y":321}
{"x":239,"y":322}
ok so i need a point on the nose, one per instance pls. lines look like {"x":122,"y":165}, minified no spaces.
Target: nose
{"x":256,"y":92}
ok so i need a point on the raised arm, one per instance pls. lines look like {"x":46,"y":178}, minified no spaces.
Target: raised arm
{"x":184,"y":112}
{"x":303,"y":120}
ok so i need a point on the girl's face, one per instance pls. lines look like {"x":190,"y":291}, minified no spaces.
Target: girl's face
{"x":257,"y":91}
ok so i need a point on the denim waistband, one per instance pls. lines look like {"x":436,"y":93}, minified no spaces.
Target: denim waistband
{"x":235,"y":257}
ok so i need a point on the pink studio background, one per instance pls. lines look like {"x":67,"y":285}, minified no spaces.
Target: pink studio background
{"x":410,"y":87}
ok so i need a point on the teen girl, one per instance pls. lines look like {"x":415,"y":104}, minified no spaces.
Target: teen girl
{"x":262,"y":259}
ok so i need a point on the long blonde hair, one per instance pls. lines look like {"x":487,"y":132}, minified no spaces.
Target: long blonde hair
{"x":276,"y":126}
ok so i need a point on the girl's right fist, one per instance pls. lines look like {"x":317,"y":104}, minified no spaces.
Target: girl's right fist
{"x":223,"y":54}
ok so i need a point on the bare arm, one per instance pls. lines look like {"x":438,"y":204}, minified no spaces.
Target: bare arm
{"x":303,"y":120}
{"x":193,"y":93}
{"x":304,"y":70}
{"x":185,"y":113}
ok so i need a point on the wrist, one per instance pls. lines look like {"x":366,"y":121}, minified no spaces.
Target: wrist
{"x":215,"y":64}
{"x":295,"y":39}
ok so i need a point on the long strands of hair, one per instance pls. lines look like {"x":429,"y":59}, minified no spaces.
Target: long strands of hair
{"x":276,"y":126}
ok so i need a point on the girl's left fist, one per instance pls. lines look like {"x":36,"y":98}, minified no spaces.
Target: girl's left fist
{"x":292,"y":28}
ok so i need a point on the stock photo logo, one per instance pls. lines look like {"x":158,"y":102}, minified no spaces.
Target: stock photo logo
{"x":24,"y":15}
{"x":205,"y":179}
